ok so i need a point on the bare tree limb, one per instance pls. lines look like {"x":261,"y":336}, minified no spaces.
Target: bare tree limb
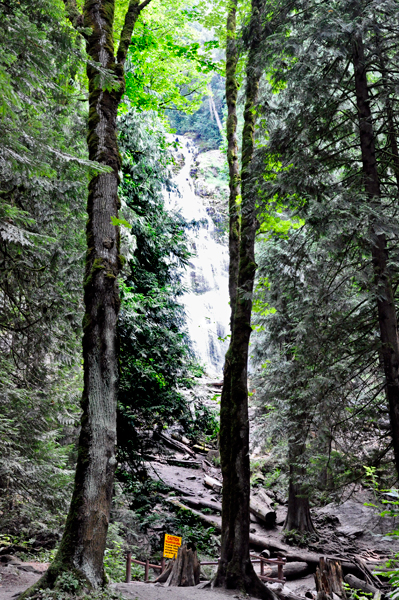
{"x":130,"y":21}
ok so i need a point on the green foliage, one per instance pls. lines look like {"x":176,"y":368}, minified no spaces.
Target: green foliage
{"x":356,"y":594}
{"x":201,"y":124}
{"x":167,"y":67}
{"x":192,"y":530}
{"x":67,"y":582}
{"x":43,"y":176}
{"x":204,"y":425}
{"x":115,"y":555}
{"x":155,"y":354}
{"x":316,"y":342}
{"x":84,"y":594}
{"x":298,"y":538}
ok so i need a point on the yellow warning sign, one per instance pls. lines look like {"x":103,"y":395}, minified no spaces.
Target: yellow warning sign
{"x":171,"y":545}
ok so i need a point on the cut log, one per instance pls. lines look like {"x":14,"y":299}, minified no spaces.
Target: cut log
{"x":201,"y":449}
{"x":263,"y":511}
{"x":213,"y":483}
{"x":357,"y":584}
{"x":199,"y":503}
{"x":175,"y":444}
{"x":292,"y":570}
{"x":218,"y":384}
{"x":329,"y":579}
{"x":186,"y":569}
{"x":180,"y":438}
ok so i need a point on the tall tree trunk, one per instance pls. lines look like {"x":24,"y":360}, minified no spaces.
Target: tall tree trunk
{"x":232,"y":154}
{"x":83,"y":543}
{"x":235,"y":568}
{"x":298,"y":511}
{"x":234,"y":229}
{"x":382,"y":279}
{"x":298,"y":514}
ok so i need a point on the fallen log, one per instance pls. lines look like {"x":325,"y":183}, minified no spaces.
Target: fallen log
{"x":213,"y":483}
{"x":180,"y":489}
{"x":292,"y":570}
{"x":201,"y":449}
{"x":180,"y":438}
{"x":197,"y":503}
{"x":263,"y":511}
{"x":211,"y":521}
{"x":292,"y":555}
{"x":175,"y":444}
{"x":357,"y":584}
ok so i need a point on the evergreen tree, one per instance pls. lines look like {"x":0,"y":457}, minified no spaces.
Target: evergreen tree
{"x":43,"y":172}
{"x":155,"y":354}
{"x":330,"y":139}
{"x":235,"y":568}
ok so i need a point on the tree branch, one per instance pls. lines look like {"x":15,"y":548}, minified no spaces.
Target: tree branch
{"x":130,"y":21}
{"x":73,"y":14}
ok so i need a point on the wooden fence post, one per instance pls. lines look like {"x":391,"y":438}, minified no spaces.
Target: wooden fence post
{"x":128,"y":567}
{"x":147,"y":570}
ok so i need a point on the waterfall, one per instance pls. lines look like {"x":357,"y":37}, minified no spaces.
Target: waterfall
{"x":206,"y":279}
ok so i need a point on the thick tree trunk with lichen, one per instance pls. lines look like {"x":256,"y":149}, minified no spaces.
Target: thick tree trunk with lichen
{"x":379,"y":250}
{"x":235,"y":568}
{"x":83,"y":543}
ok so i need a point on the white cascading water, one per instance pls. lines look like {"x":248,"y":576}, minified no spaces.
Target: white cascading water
{"x":206,"y":278}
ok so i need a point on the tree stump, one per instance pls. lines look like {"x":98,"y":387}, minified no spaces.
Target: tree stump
{"x":186,"y":569}
{"x":329,"y":580}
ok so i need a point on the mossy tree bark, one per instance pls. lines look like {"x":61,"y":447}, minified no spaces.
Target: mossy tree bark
{"x":235,"y":568}
{"x":83,"y":543}
{"x":232,"y":153}
{"x":387,"y":317}
{"x":234,"y":218}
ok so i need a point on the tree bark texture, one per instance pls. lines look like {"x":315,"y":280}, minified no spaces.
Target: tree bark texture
{"x":329,"y":579}
{"x":235,"y":569}
{"x":186,"y":569}
{"x":298,"y":514}
{"x":83,"y":542}
{"x":232,"y":153}
{"x":382,"y":279}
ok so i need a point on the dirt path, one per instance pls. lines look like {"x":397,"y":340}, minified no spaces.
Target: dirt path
{"x":148,"y":591}
{"x":15,"y":579}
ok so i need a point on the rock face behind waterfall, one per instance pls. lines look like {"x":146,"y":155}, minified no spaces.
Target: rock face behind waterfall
{"x":201,"y":196}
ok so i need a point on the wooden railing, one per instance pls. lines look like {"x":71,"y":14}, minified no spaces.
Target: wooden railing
{"x":280,"y":562}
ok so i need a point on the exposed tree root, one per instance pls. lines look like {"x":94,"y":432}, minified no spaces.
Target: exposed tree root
{"x":235,"y":575}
